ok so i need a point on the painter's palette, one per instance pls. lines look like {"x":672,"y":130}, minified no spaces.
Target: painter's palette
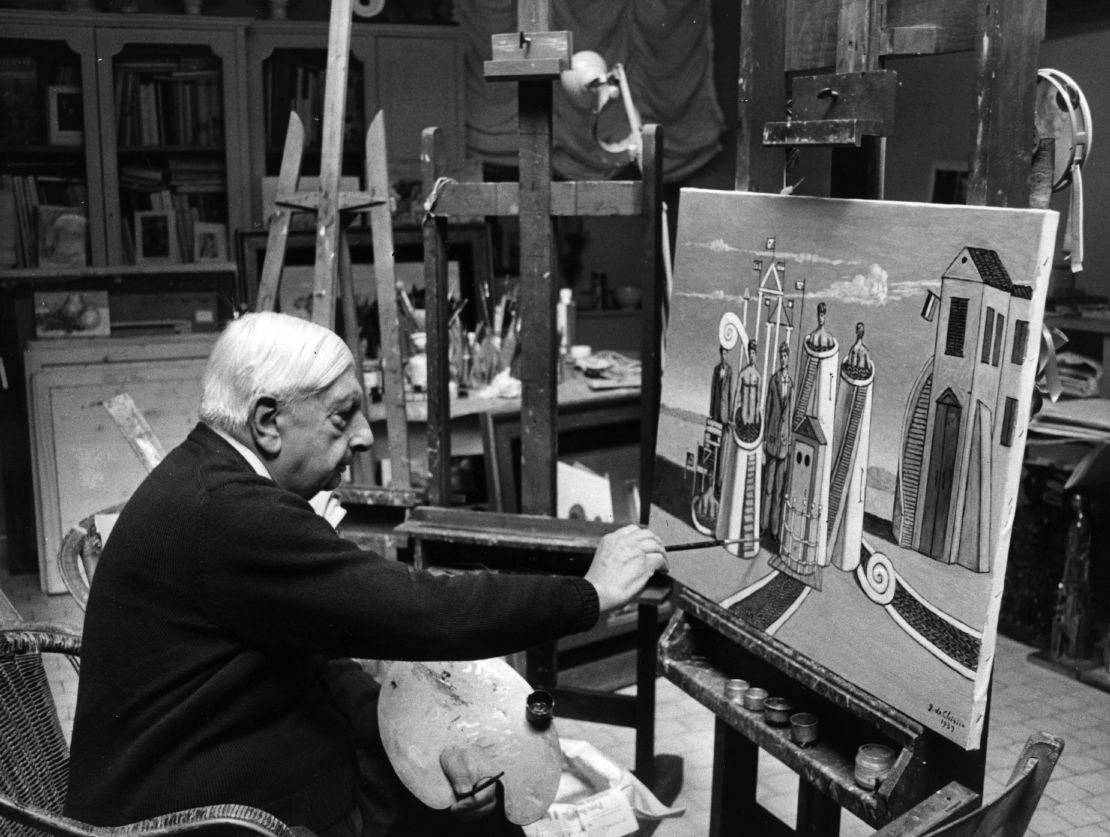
{"x":479,"y":706}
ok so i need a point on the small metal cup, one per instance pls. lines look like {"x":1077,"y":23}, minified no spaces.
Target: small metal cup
{"x":735,"y":688}
{"x":777,"y":711}
{"x":754,"y":698}
{"x":803,"y":728}
{"x":539,"y":709}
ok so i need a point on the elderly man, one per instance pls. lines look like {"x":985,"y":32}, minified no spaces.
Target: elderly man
{"x":215,"y":664}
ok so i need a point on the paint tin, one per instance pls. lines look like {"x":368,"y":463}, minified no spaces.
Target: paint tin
{"x":754,"y":698}
{"x":873,"y":762}
{"x":735,"y":688}
{"x":803,"y":728}
{"x":777,"y":711}
{"x":539,"y":709}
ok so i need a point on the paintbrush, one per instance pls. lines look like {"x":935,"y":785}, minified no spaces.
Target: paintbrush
{"x":680,"y":547}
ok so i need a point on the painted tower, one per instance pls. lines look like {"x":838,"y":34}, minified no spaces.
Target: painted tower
{"x":742,"y":464}
{"x":851,"y":447}
{"x":803,"y":549}
{"x":817,"y":398}
{"x":803,"y":527}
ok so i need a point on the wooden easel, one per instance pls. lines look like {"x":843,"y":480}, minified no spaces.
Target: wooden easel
{"x":533,"y":57}
{"x":850,"y":110}
{"x":334,"y":210}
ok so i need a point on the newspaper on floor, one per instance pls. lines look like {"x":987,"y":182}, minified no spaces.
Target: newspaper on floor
{"x":597,"y":798}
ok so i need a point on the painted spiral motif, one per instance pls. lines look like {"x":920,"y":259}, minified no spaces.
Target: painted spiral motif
{"x":731,"y":331}
{"x":876,"y":577}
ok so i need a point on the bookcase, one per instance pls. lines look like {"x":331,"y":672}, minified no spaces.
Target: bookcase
{"x":132,"y":152}
{"x":123,"y":138}
{"x":49,"y":151}
{"x":144,"y":138}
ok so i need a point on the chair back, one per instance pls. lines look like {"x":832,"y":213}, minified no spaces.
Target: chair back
{"x":1009,"y":813}
{"x":80,"y":552}
{"x":34,"y":756}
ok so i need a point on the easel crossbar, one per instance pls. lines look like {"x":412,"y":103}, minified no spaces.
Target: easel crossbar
{"x":585,"y":197}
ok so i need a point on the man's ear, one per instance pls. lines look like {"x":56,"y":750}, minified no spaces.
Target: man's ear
{"x":263,"y":426}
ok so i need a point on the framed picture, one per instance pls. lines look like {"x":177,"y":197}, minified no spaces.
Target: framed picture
{"x":66,"y":114}
{"x":209,"y":242}
{"x":599,"y":442}
{"x":72,"y":314}
{"x":61,"y":236}
{"x":156,"y":238}
{"x":948,"y":182}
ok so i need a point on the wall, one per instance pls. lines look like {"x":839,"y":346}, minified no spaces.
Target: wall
{"x":933,"y":124}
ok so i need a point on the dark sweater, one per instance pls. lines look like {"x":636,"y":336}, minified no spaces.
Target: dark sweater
{"x":216,"y":606}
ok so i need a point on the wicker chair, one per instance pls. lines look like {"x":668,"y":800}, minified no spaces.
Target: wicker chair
{"x":34,"y":756}
{"x":79,"y":554}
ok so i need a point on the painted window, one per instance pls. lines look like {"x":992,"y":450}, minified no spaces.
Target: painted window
{"x":988,"y":336}
{"x":1009,"y":418}
{"x":957,"y":327}
{"x":999,"y":333}
{"x":1021,"y":341}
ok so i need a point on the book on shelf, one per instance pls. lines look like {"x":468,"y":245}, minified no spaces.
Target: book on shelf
{"x":9,"y":227}
{"x":299,"y":87}
{"x":168,"y":105}
{"x":44,"y":219}
{"x":21,"y":102}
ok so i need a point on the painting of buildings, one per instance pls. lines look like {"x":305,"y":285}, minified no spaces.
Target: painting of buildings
{"x":845,"y":400}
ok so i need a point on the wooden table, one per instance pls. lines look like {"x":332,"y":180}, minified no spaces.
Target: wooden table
{"x":466,"y":439}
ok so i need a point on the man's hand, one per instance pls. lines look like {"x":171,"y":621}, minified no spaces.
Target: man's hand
{"x":623,"y":563}
{"x":464,"y":777}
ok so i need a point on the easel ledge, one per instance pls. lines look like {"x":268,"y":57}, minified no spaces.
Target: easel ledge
{"x":702,"y":648}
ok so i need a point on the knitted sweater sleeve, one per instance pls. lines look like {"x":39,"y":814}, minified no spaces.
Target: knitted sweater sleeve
{"x":275,"y":573}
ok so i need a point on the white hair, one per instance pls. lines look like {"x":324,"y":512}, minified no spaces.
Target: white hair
{"x":284,"y":357}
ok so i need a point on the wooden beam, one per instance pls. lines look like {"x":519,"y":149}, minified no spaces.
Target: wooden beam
{"x":331,"y":163}
{"x":539,"y":442}
{"x":432,"y":161}
{"x":761,"y":94}
{"x":1002,"y":120}
{"x":570,"y":198}
{"x":857,"y":44}
{"x":654,"y":304}
{"x":393,"y":381}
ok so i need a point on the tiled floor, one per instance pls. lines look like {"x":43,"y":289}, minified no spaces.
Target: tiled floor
{"x":1026,"y":698}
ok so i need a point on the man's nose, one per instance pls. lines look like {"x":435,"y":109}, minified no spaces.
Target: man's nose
{"x":362,"y":437}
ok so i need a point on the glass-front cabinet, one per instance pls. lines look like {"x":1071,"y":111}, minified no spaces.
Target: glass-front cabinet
{"x":151,"y":139}
{"x":174,"y":139}
{"x":117,"y":137}
{"x":49,"y":148}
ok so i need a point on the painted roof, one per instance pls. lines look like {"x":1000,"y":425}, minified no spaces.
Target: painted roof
{"x":990,"y":268}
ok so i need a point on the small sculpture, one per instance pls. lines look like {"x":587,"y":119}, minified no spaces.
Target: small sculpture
{"x":1071,"y":623}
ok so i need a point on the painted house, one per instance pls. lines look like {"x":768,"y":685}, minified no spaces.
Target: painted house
{"x":962,"y":410}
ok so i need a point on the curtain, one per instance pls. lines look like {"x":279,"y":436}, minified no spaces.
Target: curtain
{"x":666,"y":47}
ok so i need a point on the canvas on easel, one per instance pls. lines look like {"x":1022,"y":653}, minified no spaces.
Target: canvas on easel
{"x":845,"y":401}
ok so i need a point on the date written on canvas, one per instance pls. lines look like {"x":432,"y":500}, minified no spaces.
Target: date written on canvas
{"x":948,"y":721}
